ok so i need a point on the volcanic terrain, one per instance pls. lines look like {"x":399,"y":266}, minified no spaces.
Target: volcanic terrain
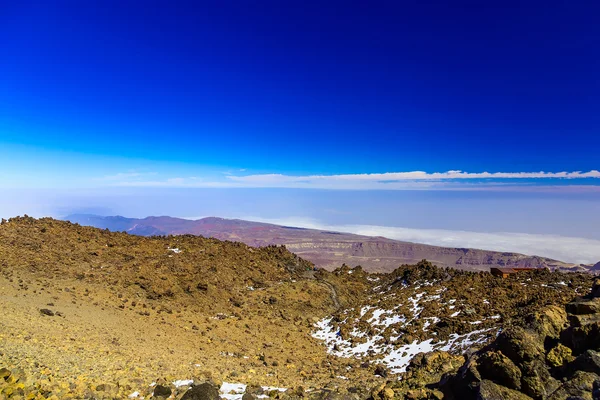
{"x":89,"y":313}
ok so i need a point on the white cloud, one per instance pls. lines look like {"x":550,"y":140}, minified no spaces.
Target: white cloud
{"x":457,"y":180}
{"x":118,"y":177}
{"x":562,"y":248}
{"x":415,"y":177}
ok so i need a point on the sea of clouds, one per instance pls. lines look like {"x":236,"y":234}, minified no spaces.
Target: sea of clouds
{"x":563,"y":248}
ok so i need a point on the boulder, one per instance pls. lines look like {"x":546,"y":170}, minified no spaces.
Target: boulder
{"x":495,"y":366}
{"x":584,"y":320}
{"x":536,"y":381}
{"x":582,"y":307}
{"x":596,"y":287}
{"x":559,"y":355}
{"x":205,"y":391}
{"x":589,"y":361}
{"x":548,"y":322}
{"x":428,"y":368}
{"x":489,"y":390}
{"x":581,"y":338}
{"x":580,"y":386}
{"x":520,"y":345}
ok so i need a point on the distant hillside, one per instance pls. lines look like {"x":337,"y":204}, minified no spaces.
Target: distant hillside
{"x":325,"y":249}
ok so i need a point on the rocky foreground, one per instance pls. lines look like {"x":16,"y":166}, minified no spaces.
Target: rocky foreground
{"x":553,"y":355}
{"x":91,"y":314}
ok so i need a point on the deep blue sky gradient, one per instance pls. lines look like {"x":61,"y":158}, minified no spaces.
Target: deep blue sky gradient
{"x":306,"y":87}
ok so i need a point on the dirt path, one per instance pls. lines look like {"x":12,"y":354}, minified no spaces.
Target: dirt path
{"x":334,"y":294}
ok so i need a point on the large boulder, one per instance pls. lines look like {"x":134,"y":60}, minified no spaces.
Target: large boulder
{"x":428,"y":368}
{"x":580,"y":386}
{"x":489,"y":390}
{"x":548,"y":322}
{"x":536,"y":381}
{"x":495,"y":366}
{"x":589,"y":361}
{"x":520,"y":345}
{"x":584,"y":306}
{"x":596,"y":287}
{"x":581,"y":338}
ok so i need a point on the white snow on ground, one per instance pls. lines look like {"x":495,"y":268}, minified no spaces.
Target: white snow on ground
{"x":175,"y":250}
{"x":398,"y":359}
{"x":134,"y":395}
{"x":364,"y":310}
{"x":430,"y":321}
{"x":183,"y":382}
{"x":395,"y":357}
{"x":390,"y":317}
{"x":235,"y":391}
{"x":416,"y":309}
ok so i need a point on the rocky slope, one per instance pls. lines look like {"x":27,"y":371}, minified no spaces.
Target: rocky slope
{"x":88,"y":313}
{"x":325,"y":249}
{"x":554,"y":354}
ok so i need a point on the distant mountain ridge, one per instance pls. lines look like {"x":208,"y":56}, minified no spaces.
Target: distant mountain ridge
{"x":325,"y":249}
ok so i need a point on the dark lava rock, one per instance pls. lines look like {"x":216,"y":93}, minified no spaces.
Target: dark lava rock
{"x":202,"y":287}
{"x":206,"y":391}
{"x":45,"y":311}
{"x":248,"y":396}
{"x":381,"y":371}
{"x":489,"y":390}
{"x":520,"y":345}
{"x":582,"y":307}
{"x":581,"y":385}
{"x":161,"y":390}
{"x":496,"y":367}
{"x":595,"y":288}
{"x":549,"y":321}
{"x":581,"y":338}
{"x":537,"y":381}
{"x":589,"y":361}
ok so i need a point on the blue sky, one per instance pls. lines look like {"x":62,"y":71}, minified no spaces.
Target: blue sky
{"x":121,"y":97}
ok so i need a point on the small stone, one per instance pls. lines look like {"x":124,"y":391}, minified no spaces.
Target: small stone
{"x":161,"y":390}
{"x":206,"y":391}
{"x":381,"y":371}
{"x":4,"y":373}
{"x":45,"y":311}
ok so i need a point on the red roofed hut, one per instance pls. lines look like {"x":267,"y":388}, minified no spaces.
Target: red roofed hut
{"x":504,"y":272}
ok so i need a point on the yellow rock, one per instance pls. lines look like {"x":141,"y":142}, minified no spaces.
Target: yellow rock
{"x":388,"y":393}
